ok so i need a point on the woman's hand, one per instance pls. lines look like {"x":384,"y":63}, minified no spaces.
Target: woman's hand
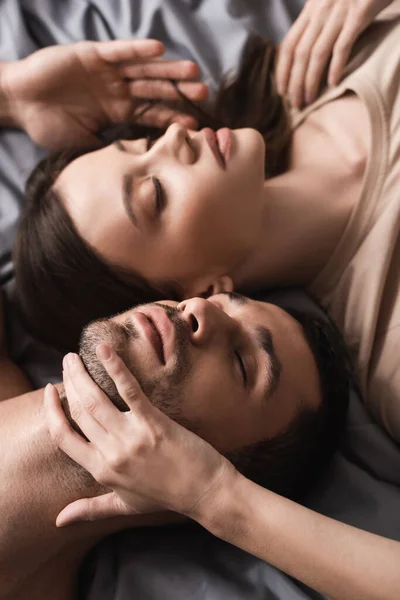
{"x":325,"y":31}
{"x":150,"y":462}
{"x":63,"y":95}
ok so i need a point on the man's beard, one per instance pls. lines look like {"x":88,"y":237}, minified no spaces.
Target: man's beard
{"x":166,"y":390}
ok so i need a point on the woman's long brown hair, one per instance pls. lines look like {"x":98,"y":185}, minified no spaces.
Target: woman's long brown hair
{"x":61,"y":282}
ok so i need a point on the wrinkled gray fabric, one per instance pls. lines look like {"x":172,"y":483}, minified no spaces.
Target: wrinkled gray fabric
{"x":363,"y":485}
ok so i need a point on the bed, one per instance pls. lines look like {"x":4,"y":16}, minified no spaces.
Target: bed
{"x":362,"y":487}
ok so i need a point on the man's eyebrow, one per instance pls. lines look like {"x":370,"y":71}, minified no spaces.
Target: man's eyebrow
{"x":266,"y":342}
{"x":273,"y":364}
{"x":127,"y":189}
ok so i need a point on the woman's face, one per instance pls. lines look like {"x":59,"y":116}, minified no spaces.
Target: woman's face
{"x":172,"y":213}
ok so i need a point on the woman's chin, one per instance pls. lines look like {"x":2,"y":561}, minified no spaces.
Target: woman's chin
{"x":248,"y":144}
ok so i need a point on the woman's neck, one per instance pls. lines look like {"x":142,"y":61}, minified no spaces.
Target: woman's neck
{"x":306,"y":209}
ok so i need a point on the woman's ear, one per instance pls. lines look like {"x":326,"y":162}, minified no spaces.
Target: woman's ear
{"x":221,"y":284}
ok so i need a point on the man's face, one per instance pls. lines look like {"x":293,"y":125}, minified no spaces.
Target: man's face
{"x":233,"y":370}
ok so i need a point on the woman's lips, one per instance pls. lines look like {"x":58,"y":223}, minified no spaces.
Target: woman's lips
{"x":224,"y":138}
{"x":212,"y":141}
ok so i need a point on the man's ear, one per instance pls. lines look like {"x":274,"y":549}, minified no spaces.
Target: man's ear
{"x":221,"y":284}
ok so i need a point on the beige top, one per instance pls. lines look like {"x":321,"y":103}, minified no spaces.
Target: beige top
{"x":360,"y":284}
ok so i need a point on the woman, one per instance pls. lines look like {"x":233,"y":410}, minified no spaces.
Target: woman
{"x":178,"y":219}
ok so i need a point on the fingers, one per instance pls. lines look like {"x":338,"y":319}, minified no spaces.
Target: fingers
{"x":126,"y":384}
{"x":123,"y":50}
{"x":62,"y":433}
{"x":342,"y":48}
{"x":162,"y":116}
{"x":159,"y":89}
{"x":300,"y":62}
{"x":89,"y":406}
{"x":286,"y":52}
{"x":356,"y":21}
{"x":160,"y":69}
{"x":321,"y":54}
{"x":92,"y":509}
{"x":324,"y":32}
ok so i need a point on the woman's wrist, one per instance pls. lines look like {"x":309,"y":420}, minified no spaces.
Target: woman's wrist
{"x":221,"y":506}
{"x":8,"y":116}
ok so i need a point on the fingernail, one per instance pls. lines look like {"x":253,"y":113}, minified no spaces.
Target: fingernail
{"x":70,"y":358}
{"x":103,"y":352}
{"x":47,"y":389}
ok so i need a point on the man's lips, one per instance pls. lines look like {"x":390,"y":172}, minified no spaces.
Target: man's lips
{"x":151,"y":333}
{"x":159,"y":330}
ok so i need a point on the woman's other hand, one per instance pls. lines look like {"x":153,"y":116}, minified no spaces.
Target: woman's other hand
{"x":150,"y":462}
{"x":323,"y":34}
{"x":63,"y":95}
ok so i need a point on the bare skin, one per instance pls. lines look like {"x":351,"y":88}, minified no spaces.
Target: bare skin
{"x":37,"y":560}
{"x":339,"y":561}
{"x":38,"y":480}
{"x":311,"y":203}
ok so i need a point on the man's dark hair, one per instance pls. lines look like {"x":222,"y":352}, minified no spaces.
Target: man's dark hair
{"x":292,"y":462}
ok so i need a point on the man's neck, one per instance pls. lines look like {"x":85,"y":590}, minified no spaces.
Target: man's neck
{"x":36,"y":481}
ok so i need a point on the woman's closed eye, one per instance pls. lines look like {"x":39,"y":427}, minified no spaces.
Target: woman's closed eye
{"x":160,"y":198}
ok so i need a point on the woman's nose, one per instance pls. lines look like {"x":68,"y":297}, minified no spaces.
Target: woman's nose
{"x":175,"y":131}
{"x":206,"y":322}
{"x":179,"y":143}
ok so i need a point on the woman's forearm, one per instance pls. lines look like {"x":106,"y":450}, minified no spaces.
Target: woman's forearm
{"x":335,"y":559}
{"x":7,"y":116}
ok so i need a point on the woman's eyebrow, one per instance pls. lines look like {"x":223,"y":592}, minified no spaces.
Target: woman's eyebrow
{"x":127,"y":189}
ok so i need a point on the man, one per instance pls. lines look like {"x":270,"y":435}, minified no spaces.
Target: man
{"x":236,"y":371}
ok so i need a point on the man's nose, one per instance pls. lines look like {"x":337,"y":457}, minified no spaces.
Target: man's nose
{"x":207,"y":322}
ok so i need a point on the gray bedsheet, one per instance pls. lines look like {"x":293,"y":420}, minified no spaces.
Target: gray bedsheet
{"x":363,"y":485}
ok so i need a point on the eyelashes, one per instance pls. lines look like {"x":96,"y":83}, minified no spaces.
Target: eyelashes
{"x":149,"y":142}
{"x":242,"y":367}
{"x":160,"y":194}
